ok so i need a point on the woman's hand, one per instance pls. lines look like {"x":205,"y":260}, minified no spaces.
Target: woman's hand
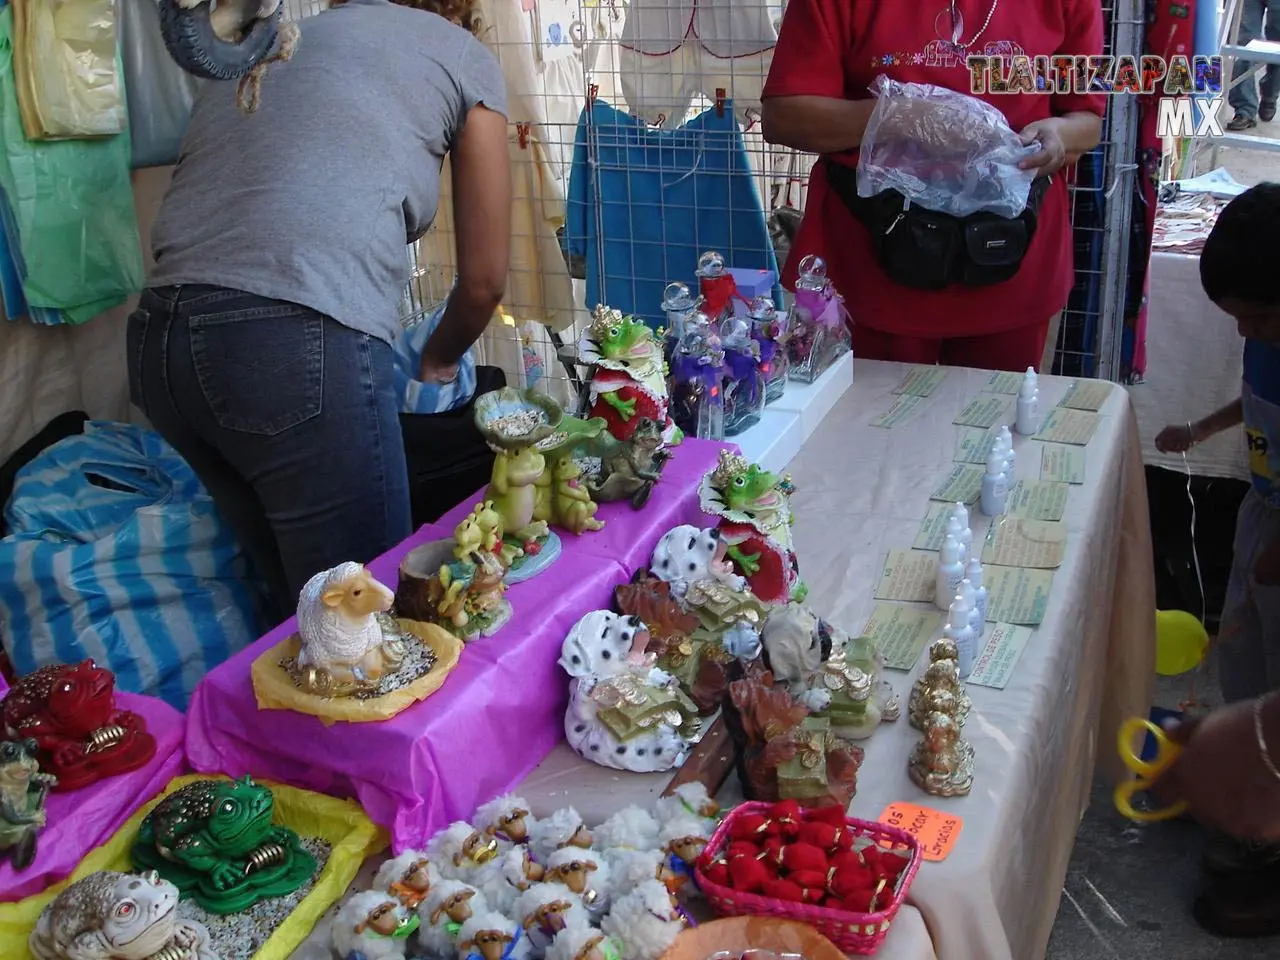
{"x":431,"y":370}
{"x":1221,"y":776}
{"x":1052,"y":155}
{"x":1176,"y":438}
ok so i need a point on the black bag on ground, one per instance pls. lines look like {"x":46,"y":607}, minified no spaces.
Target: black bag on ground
{"x":926,"y":250}
{"x":447,"y":456}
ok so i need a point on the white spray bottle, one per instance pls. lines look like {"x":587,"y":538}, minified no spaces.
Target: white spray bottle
{"x":959,"y":632}
{"x":973,"y":574}
{"x":1027,"y":420}
{"x":995,"y":487}
{"x":950,"y":573}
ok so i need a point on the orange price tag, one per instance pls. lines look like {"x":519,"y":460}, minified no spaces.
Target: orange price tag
{"x":935,"y":831}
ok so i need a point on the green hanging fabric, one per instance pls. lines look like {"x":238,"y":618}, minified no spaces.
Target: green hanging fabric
{"x":72,"y":201}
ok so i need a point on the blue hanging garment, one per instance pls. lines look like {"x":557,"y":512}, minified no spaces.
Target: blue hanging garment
{"x":644,"y":204}
{"x":13,"y":270}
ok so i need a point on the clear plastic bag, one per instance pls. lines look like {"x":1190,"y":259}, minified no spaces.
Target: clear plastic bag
{"x":944,"y":151}
{"x":161,"y":94}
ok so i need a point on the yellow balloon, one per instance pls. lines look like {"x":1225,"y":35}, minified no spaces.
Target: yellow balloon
{"x":1181,"y":642}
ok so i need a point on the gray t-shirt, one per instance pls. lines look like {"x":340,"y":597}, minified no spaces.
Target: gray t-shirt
{"x":313,"y":198}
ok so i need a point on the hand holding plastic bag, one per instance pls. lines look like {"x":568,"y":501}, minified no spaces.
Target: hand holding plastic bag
{"x":945,"y":151}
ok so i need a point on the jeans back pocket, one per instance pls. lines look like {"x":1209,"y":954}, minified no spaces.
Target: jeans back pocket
{"x":260,"y":369}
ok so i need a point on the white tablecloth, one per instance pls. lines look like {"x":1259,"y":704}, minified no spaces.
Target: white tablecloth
{"x":1193,"y":368}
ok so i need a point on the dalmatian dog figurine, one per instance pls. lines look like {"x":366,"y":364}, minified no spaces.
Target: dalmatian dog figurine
{"x":687,"y":555}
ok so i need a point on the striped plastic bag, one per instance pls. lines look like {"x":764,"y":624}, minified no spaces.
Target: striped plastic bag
{"x":116,"y":553}
{"x":429,"y":398}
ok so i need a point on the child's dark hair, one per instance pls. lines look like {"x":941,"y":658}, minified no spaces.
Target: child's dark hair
{"x":1239,"y":260}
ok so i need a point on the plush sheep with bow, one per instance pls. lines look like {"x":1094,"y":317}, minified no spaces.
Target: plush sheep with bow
{"x":491,"y":936}
{"x":645,"y":922}
{"x":373,"y":925}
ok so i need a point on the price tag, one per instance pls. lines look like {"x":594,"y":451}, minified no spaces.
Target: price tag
{"x":935,"y":831}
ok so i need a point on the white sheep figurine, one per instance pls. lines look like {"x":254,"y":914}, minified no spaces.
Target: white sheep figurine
{"x":683,"y":839}
{"x":544,"y":910}
{"x":408,"y":877}
{"x":370,"y":925}
{"x":564,"y":828}
{"x":689,"y":799}
{"x":459,"y":849}
{"x":492,"y":936}
{"x":583,"y":943}
{"x":339,"y":629}
{"x":631,"y":828}
{"x":645,"y":922}
{"x":629,"y":868}
{"x":585,"y":872}
{"x":504,"y":879}
{"x":506,"y":817}
{"x":450,"y":904}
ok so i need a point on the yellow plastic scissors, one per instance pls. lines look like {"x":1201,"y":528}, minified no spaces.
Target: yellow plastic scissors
{"x":1146,"y":771}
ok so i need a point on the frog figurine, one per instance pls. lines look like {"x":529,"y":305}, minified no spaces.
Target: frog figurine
{"x":23,"y":790}
{"x":214,"y":840}
{"x":629,"y":377}
{"x":755,"y":522}
{"x":70,"y":712}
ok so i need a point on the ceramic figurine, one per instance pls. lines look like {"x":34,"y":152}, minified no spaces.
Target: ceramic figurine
{"x":755,"y":513}
{"x":628,"y":469}
{"x":942,"y":762}
{"x":450,"y":904}
{"x":118,"y":916}
{"x":819,"y":331}
{"x":544,"y":910}
{"x":716,"y":287}
{"x":645,"y":922}
{"x":347,"y":643}
{"x":506,"y":817}
{"x":583,"y":943}
{"x":570,"y":503}
{"x":23,"y":791}
{"x":70,"y":712}
{"x":697,"y":381}
{"x":628,"y":379}
{"x":744,"y":382}
{"x":685,"y":555}
{"x":459,"y":848}
{"x":408,"y":877}
{"x":622,"y":716}
{"x":564,"y":828}
{"x":373,"y":925}
{"x":215,"y":841}
{"x":491,"y":936}
{"x":943,"y":673}
{"x":769,"y":328}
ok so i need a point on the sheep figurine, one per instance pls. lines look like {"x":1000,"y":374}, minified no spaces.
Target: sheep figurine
{"x":583,"y":943}
{"x":343,"y":647}
{"x":689,"y":800}
{"x":409,"y":877}
{"x":683,"y":840}
{"x":631,"y":828}
{"x":504,"y":879}
{"x":459,"y":849}
{"x":373,"y":925}
{"x":564,"y":828}
{"x":491,"y":936}
{"x":506,"y":817}
{"x":450,"y":904}
{"x":544,"y":910}
{"x":645,"y":922}
{"x":629,"y":868}
{"x":586,"y":873}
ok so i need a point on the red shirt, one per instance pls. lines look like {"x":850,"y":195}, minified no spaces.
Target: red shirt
{"x":836,"y":48}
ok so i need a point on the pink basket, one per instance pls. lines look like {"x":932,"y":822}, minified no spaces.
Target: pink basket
{"x":856,"y":933}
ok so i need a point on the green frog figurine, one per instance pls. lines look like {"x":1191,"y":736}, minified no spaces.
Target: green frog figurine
{"x":214,"y":840}
{"x":23,"y":790}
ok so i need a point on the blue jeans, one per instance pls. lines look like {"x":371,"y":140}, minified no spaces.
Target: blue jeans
{"x":1244,"y":98}
{"x":289,"y":419}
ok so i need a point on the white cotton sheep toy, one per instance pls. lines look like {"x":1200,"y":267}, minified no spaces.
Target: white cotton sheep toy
{"x":338,"y":623}
{"x":367,"y":926}
{"x":459,"y":849}
{"x":689,"y":800}
{"x":585,"y":872}
{"x":408,"y":877}
{"x":503,"y":880}
{"x":583,"y":943}
{"x":629,"y":868}
{"x":450,"y":904}
{"x":492,"y":936}
{"x":645,"y":922}
{"x":564,"y":828}
{"x":544,"y":910}
{"x":631,"y":828}
{"x":506,"y":817}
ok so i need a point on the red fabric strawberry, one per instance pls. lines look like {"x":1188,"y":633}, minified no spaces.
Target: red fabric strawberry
{"x":804,"y":856}
{"x":742,"y":848}
{"x":772,"y":849}
{"x":749,"y":826}
{"x":833,"y":815}
{"x":717,"y":872}
{"x":785,"y":819}
{"x":849,"y":881}
{"x":809,"y":879}
{"x":849,"y":858}
{"x":747,"y":875}
{"x":784,"y":890}
{"x":821,"y":835}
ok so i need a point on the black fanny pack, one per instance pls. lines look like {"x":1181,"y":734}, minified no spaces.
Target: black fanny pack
{"x":925,"y":250}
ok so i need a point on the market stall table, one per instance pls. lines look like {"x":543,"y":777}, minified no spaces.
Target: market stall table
{"x":862,"y":491}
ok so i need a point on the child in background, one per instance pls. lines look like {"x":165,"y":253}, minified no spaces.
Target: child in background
{"x":1238,"y":271}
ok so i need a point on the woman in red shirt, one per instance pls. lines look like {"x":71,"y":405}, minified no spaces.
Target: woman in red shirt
{"x":817,"y":100}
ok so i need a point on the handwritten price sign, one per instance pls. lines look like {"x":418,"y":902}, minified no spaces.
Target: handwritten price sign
{"x":935,"y":831}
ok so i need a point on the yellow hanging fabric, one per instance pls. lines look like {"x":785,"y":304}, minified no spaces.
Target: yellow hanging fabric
{"x":66,"y":69}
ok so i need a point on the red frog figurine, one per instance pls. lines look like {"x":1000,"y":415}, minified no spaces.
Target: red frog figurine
{"x":70,"y":712}
{"x":629,"y":382}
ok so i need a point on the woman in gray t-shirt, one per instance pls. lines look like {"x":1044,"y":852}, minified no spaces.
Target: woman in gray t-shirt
{"x":261,"y":348}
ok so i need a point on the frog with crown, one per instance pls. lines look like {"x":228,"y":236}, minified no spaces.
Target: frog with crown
{"x":629,"y":377}
{"x":754,"y":508}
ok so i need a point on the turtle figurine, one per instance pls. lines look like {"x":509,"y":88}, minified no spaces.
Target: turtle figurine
{"x":215,"y":841}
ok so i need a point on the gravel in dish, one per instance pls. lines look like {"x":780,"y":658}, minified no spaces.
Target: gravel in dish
{"x":419,"y":660}
{"x":519,"y":424}
{"x":241,"y":935}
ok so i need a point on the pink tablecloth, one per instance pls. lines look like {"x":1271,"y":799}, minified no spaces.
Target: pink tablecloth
{"x":495,"y":718}
{"x":83,"y":819}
